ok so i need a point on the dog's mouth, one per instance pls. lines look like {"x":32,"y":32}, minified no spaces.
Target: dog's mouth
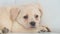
{"x":32,"y":27}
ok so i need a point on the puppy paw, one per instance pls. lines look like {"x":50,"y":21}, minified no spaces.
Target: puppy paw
{"x":44,"y":29}
{"x":5,"y":30}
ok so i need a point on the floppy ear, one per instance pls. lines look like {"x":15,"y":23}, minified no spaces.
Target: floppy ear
{"x":40,"y":9}
{"x":41,"y":12}
{"x":14,"y":12}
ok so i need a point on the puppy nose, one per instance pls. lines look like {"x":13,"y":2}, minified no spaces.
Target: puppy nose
{"x":32,"y":23}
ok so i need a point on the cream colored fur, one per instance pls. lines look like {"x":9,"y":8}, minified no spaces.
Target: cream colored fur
{"x":12,"y":18}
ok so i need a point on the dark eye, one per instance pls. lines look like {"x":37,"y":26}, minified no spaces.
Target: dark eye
{"x":26,"y":17}
{"x":36,"y":16}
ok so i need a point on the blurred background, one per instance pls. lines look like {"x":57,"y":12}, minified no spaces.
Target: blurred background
{"x":51,"y":13}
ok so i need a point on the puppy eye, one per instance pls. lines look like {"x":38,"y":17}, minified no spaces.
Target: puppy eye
{"x":36,"y":16}
{"x":25,"y":17}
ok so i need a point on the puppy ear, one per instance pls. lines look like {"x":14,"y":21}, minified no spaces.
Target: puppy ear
{"x":14,"y":12}
{"x":41,"y":12}
{"x":40,"y":9}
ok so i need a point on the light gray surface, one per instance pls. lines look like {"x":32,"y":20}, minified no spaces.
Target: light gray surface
{"x":51,"y":15}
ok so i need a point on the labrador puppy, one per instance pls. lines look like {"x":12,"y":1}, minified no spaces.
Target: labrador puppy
{"x":27,"y":18}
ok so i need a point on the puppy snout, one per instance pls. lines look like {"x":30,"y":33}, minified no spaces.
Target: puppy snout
{"x":32,"y":23}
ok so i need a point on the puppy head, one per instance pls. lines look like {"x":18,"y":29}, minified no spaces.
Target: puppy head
{"x":28,"y":16}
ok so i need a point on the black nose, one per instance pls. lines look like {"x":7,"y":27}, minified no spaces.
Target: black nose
{"x":32,"y":23}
